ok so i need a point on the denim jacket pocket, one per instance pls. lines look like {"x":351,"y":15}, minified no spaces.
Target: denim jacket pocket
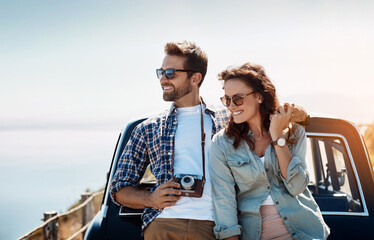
{"x":241,"y":169}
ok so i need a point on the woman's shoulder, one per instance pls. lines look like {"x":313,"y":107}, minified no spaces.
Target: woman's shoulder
{"x":221,"y":138}
{"x":298,"y":130}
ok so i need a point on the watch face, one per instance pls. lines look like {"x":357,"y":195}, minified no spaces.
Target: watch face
{"x":281,"y":142}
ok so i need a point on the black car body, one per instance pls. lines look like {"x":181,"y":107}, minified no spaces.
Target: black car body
{"x":341,"y":183}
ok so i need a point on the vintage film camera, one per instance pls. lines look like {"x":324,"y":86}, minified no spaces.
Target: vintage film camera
{"x":191,"y":185}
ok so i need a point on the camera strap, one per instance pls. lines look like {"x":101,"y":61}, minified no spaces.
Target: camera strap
{"x":202,"y":141}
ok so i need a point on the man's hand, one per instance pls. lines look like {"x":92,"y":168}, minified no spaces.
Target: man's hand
{"x":298,"y":113}
{"x":139,"y":198}
{"x":165,"y":195}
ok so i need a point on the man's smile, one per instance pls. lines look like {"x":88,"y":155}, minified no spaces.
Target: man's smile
{"x":167,"y":87}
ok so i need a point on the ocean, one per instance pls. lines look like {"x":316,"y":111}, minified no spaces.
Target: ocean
{"x":47,"y":170}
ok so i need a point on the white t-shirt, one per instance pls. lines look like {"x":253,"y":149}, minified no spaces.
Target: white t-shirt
{"x":188,"y":160}
{"x":268,"y":200}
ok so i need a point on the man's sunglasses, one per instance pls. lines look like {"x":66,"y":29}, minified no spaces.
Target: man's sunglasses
{"x":236,"y":99}
{"x":169,"y":73}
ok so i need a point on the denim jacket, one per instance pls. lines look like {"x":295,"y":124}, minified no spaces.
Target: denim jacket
{"x":241,"y":182}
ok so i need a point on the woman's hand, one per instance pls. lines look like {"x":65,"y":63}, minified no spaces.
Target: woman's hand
{"x":280,"y":121}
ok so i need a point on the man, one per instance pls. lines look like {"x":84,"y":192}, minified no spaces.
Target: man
{"x":174,"y":142}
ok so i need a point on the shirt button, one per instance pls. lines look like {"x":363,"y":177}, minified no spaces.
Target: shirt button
{"x":268,"y":187}
{"x":266,"y":169}
{"x":285,"y":218}
{"x":238,"y":162}
{"x":277,"y":202}
{"x":293,"y":234}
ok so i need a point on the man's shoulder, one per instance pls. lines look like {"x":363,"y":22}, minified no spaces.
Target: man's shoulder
{"x":216,"y":108}
{"x":154,"y":120}
{"x":219,"y":111}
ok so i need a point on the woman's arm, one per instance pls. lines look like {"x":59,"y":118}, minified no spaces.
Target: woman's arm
{"x":297,"y":174}
{"x":279,"y":122}
{"x":292,"y":165}
{"x":224,"y":194}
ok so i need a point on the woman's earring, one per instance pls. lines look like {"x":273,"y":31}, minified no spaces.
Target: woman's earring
{"x":260,"y":100}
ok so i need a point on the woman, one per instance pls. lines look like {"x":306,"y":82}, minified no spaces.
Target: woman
{"x":257,"y":165}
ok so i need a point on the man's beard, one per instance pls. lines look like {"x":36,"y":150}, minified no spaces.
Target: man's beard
{"x":178,"y":93}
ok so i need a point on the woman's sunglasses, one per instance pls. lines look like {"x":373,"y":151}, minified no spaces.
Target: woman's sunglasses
{"x":169,"y":72}
{"x":236,"y":99}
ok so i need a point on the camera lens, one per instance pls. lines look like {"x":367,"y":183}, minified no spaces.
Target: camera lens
{"x":187,"y":182}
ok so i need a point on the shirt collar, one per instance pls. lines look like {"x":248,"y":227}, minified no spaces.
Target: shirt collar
{"x":208,"y":108}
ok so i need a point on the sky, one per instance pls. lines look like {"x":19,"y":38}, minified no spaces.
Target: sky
{"x":91,"y":63}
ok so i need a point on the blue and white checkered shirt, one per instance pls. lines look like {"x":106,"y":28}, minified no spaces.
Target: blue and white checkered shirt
{"x":151,"y":143}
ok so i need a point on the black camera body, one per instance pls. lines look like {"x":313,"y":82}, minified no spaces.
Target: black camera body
{"x":191,"y":185}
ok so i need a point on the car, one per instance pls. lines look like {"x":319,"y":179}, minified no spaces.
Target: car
{"x":341,"y":181}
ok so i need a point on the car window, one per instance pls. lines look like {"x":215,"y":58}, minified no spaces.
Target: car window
{"x":333,"y":181}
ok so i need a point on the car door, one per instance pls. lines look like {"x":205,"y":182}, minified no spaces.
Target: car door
{"x":341,"y":177}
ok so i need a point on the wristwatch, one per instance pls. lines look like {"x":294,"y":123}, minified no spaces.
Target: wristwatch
{"x":281,"y":142}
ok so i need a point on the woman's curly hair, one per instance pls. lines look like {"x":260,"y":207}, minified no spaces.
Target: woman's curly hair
{"x":255,"y":77}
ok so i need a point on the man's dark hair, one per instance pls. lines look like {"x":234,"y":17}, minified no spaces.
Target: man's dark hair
{"x":196,"y":59}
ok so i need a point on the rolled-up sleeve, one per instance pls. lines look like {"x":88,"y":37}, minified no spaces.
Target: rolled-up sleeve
{"x":132,"y":164}
{"x":224,"y":195}
{"x":297,"y":174}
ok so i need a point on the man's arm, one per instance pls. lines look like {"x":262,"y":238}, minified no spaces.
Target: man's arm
{"x":131,"y":167}
{"x":165,"y":195}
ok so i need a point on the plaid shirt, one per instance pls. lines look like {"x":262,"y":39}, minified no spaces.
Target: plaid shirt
{"x":151,"y":143}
